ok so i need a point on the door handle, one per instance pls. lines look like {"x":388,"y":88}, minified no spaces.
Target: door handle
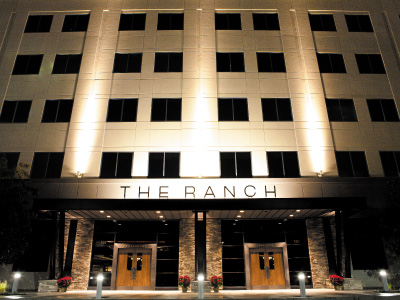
{"x":267,"y":272}
{"x":133,"y":273}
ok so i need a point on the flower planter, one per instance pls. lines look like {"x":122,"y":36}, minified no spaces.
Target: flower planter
{"x":184,"y":289}
{"x":62,"y":289}
{"x":338,"y":287}
{"x":216,"y":289}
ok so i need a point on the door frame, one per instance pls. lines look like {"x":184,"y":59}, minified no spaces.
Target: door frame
{"x":153,"y":261}
{"x":282,"y":247}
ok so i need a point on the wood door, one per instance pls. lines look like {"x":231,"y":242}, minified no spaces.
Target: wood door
{"x":266,"y":270}
{"x":133,"y":270}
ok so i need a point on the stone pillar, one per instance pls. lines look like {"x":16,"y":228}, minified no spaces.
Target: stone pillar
{"x":214,"y":248}
{"x":186,"y":248}
{"x":317,"y":250}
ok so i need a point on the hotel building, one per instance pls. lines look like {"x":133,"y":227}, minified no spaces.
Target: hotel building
{"x":245,"y":138}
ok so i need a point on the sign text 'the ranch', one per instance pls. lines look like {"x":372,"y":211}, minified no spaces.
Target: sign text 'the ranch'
{"x":197,"y":192}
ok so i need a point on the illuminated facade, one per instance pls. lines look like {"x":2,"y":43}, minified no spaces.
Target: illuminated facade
{"x":255,"y":131}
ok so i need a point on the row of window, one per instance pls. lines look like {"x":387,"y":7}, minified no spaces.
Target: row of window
{"x":175,"y":21}
{"x":173,"y":62}
{"x":229,"y":109}
{"x":232,"y":164}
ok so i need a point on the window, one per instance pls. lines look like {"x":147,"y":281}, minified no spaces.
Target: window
{"x":67,"y":64}
{"x":341,"y":110}
{"x":11,"y":158}
{"x":15,"y":111}
{"x":116,"y":165}
{"x":27,"y":64}
{"x":230,"y":62}
{"x":170,"y":22}
{"x":75,"y":23}
{"x":382,"y":110}
{"x":228,"y":22}
{"x":168,"y":62}
{"x":38,"y":23}
{"x":132,"y":22}
{"x":283,"y":164}
{"x":331,"y":63}
{"x":266,"y":22}
{"x":351,"y":164}
{"x":370,"y":64}
{"x":235,"y":165}
{"x":164,"y":165}
{"x":271,"y":62}
{"x":166,"y":110}
{"x":276,"y":109}
{"x":322,"y":22}
{"x":359,"y":23}
{"x":47,"y":165}
{"x":391,"y":163}
{"x":232,"y":109}
{"x":122,"y":110}
{"x":127,"y":63}
{"x":57,"y":111}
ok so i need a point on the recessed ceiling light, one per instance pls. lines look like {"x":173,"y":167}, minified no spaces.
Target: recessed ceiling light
{"x":279,"y":223}
{"x":119,"y":224}
{"x":158,"y":212}
{"x":239,"y":216}
{"x":161,"y":217}
{"x":242,"y":211}
{"x":102,"y":211}
{"x":298,"y":210}
{"x":291,"y":215}
{"x":166,"y":224}
{"x":236,"y":220}
{"x":108,"y":216}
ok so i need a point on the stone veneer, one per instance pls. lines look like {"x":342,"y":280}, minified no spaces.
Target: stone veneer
{"x":317,"y":250}
{"x":214,"y":248}
{"x":82,"y":253}
{"x":186,"y":248}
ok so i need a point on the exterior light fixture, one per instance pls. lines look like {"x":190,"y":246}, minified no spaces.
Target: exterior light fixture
{"x":302,"y":284}
{"x":161,"y":217}
{"x":17,"y":276}
{"x":291,"y":216}
{"x":102,"y":211}
{"x":239,"y":216}
{"x":79,"y":174}
{"x":200,"y":278}
{"x":298,"y":210}
{"x":100,"y":278}
{"x":158,"y":212}
{"x":384,"y":280}
{"x":320,"y":173}
{"x":108,"y":216}
{"x":242,"y":211}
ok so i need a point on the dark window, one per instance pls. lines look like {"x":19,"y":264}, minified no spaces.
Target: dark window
{"x":170,"y":22}
{"x":359,"y":23}
{"x":351,"y":164}
{"x":341,"y":110}
{"x":127,"y":63}
{"x":38,"y":23}
{"x":230,"y":62}
{"x":116,"y":165}
{"x":235,"y":164}
{"x":370,"y":64}
{"x":266,"y":22}
{"x":57,"y":111}
{"x":168,"y":62}
{"x":331,"y":63}
{"x":132,"y":22}
{"x":228,"y":22}
{"x":10,"y":158}
{"x":67,"y":64}
{"x":75,"y":23}
{"x":322,"y":22}
{"x":47,"y":164}
{"x":391,"y":163}
{"x":15,"y":111}
{"x":271,"y":62}
{"x":233,"y":109}
{"x":382,"y":110}
{"x":122,"y":110}
{"x":283,"y":164}
{"x":164,"y":165}
{"x":276,"y":109}
{"x":27,"y":64}
{"x":166,"y":110}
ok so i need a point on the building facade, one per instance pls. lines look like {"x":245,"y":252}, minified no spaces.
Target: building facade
{"x":247,"y":139}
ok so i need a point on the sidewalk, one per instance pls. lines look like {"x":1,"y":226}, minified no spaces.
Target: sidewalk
{"x":316,"y":294}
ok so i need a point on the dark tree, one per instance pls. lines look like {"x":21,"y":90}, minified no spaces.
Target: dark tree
{"x":15,"y":214}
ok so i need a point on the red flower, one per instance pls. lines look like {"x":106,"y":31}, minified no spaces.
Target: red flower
{"x":336,"y":279}
{"x":184,"y":281}
{"x":64,"y":281}
{"x":216,"y":281}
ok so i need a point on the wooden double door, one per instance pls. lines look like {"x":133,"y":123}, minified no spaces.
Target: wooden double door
{"x":266,"y":266}
{"x":134,"y":268}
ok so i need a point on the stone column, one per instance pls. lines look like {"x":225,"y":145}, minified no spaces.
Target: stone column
{"x":214,"y":248}
{"x":186,"y":248}
{"x":317,"y":250}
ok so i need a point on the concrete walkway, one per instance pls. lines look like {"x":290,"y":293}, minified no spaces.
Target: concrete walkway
{"x":316,"y":294}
